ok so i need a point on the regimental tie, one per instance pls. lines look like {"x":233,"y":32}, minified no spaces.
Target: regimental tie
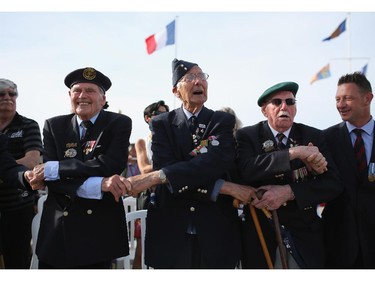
{"x":86,"y":125}
{"x":280,"y":144}
{"x":193,"y":124}
{"x":360,"y":152}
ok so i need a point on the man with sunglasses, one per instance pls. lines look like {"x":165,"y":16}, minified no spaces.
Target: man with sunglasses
{"x":192,"y":223}
{"x":294,"y":172}
{"x":17,"y":205}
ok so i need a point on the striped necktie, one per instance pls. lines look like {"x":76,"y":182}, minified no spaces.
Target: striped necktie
{"x":86,"y":125}
{"x":280,"y":144}
{"x":360,"y":152}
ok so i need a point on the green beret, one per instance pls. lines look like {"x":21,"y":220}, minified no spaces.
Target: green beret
{"x":284,"y":86}
{"x":88,"y":75}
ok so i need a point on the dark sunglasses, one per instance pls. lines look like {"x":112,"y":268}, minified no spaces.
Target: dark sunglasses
{"x":12,"y":94}
{"x":278,"y":102}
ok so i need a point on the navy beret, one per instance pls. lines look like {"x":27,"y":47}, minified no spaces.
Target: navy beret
{"x":179,"y":69}
{"x":284,"y":86}
{"x":88,"y":75}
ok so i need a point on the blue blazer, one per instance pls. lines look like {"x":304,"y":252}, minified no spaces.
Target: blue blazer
{"x":350,"y":218}
{"x":186,"y":201}
{"x":260,"y":164}
{"x":75,"y":231}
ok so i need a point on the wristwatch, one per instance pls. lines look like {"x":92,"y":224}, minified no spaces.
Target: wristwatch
{"x":162,"y":177}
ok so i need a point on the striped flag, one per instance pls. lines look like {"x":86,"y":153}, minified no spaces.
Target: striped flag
{"x":161,"y":39}
{"x":323,"y":73}
{"x":340,"y":29}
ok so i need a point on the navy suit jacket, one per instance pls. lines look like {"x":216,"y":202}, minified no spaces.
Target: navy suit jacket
{"x":186,"y":199}
{"x":260,"y":164}
{"x":75,"y":231}
{"x":350,"y":218}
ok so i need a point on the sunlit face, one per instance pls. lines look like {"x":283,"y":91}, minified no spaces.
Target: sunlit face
{"x":193,"y":94}
{"x":86,"y":99}
{"x":280,"y":117}
{"x":352,"y":105}
{"x":8,"y":100}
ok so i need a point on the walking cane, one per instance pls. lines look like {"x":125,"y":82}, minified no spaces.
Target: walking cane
{"x":282,"y":250}
{"x":259,"y":232}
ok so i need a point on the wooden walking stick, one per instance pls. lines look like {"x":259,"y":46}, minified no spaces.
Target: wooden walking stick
{"x":259,"y":232}
{"x":282,"y":250}
{"x":261,"y":236}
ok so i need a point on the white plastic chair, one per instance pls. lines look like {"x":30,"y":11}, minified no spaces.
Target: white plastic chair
{"x":34,"y":232}
{"x":131,"y":217}
{"x":130,"y":204}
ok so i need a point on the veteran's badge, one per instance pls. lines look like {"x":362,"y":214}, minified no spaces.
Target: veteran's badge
{"x":70,"y":153}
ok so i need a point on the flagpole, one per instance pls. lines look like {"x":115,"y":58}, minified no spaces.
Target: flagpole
{"x":349,"y":44}
{"x":176,"y":37}
{"x":175,"y":51}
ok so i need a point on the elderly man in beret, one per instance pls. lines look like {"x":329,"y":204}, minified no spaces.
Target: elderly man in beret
{"x":191,"y":220}
{"x":290,"y":164}
{"x":83,"y":224}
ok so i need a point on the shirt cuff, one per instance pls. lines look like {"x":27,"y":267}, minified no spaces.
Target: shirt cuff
{"x":217,"y":187}
{"x":51,"y":171}
{"x":91,"y":188}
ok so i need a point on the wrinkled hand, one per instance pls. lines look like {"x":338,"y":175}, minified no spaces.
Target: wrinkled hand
{"x":316,"y":162}
{"x":273,"y":197}
{"x":38,"y":173}
{"x":117,"y":185}
{"x":143,"y":182}
{"x":34,"y":182}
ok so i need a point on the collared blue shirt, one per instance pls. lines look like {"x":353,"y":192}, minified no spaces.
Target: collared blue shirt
{"x":367,"y":136}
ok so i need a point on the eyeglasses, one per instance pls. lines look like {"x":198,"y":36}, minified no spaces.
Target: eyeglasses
{"x":11,"y":94}
{"x":278,"y":102}
{"x":191,"y":77}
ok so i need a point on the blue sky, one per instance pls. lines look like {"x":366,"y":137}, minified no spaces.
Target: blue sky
{"x":243,"y":52}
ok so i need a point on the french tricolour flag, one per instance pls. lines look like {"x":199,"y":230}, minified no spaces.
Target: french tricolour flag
{"x":161,"y":39}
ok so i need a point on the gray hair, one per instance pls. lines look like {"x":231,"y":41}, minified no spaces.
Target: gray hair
{"x":5,"y":83}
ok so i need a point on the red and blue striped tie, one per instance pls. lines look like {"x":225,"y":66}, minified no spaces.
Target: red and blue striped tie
{"x":360,"y":153}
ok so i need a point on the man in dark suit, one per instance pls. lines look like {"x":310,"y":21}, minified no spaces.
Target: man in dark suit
{"x":350,"y":219}
{"x":82,"y":224}
{"x":191,"y":220}
{"x":296,"y":172}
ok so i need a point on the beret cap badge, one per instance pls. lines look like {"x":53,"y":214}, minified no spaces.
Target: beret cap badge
{"x":89,"y":73}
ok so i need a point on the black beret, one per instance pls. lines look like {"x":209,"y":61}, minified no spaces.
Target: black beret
{"x":88,"y":75}
{"x":179,"y":69}
{"x":284,"y":86}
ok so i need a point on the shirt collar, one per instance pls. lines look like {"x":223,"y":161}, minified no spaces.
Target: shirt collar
{"x":368,"y":128}
{"x":92,"y":119}
{"x":274,"y":132}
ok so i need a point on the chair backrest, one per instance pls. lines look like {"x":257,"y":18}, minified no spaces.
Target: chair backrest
{"x":130,"y":204}
{"x":131,"y":219}
{"x":35,"y":230}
